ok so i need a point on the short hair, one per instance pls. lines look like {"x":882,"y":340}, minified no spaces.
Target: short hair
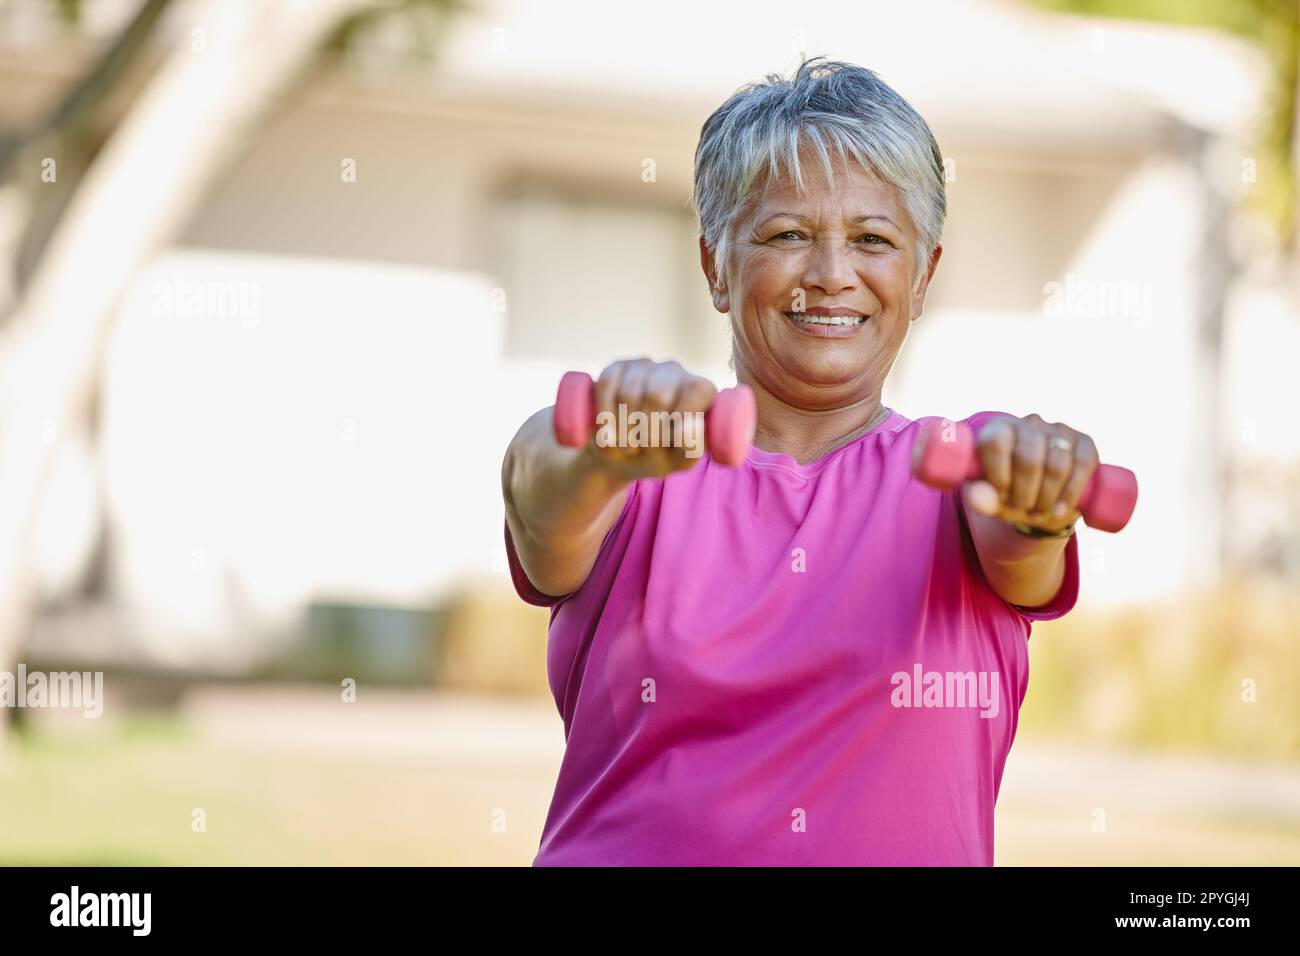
{"x":759,"y":131}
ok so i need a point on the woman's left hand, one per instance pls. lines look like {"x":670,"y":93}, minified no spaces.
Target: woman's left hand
{"x":1034,"y":472}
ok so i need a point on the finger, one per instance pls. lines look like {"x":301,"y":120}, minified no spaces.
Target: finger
{"x":694,"y":399}
{"x":982,"y":497}
{"x":1057,"y":468}
{"x":606,"y":394}
{"x":995,"y":445}
{"x":660,"y":398}
{"x":1085,"y":465}
{"x":631,"y":392}
{"x":1027,"y":463}
{"x":662,"y":383}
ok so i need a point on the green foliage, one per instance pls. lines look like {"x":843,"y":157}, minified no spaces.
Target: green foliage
{"x":1239,"y":17}
{"x":1215,"y":674}
{"x":421,"y":24}
{"x":70,"y":11}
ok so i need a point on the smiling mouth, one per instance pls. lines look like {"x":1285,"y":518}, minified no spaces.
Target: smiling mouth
{"x":803,"y":318}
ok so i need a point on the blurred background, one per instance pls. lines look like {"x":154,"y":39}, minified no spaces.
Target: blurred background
{"x":279,"y":280}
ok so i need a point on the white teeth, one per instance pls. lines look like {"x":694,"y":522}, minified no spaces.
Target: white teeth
{"x":827,"y":319}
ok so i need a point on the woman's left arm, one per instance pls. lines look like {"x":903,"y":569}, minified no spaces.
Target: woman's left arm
{"x":1030,"y":476}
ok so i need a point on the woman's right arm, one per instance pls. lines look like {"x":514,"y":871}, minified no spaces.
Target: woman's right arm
{"x":561,"y":502}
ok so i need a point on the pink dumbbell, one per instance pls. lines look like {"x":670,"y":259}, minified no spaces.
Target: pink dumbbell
{"x":1107,"y":502}
{"x":728,"y":424}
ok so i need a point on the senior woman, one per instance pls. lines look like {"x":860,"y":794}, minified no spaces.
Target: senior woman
{"x":811,"y":657}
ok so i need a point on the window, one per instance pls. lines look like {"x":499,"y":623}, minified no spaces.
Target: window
{"x":591,"y":279}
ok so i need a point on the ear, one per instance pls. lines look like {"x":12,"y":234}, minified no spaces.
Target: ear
{"x":721,"y":300}
{"x":918,"y":297}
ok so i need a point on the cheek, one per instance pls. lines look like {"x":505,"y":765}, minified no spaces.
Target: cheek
{"x":761,"y":290}
{"x":769,"y":267}
{"x":890,"y":282}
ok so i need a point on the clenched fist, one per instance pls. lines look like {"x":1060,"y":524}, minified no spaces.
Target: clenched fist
{"x":649,"y":418}
{"x":1034,"y":472}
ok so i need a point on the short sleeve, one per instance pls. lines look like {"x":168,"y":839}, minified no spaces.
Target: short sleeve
{"x":525,"y":588}
{"x":980,"y":419}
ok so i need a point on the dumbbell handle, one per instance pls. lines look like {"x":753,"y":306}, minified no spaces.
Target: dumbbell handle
{"x":946,"y":454}
{"x":728,"y":424}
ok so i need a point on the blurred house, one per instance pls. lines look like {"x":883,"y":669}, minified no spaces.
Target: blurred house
{"x":309,"y":396}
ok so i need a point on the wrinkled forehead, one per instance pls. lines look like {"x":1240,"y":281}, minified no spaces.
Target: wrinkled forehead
{"x":850,"y":190}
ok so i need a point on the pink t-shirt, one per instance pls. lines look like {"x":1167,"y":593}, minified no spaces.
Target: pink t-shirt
{"x":786,"y":664}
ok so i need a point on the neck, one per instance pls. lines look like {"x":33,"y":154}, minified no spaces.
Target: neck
{"x":808,"y":434}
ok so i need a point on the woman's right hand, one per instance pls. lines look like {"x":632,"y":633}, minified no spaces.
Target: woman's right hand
{"x":646,"y":387}
{"x":560,"y":501}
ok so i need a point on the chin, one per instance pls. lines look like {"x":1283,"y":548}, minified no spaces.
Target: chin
{"x":824,"y":376}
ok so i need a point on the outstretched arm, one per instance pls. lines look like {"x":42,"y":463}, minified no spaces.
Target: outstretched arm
{"x":560,"y":501}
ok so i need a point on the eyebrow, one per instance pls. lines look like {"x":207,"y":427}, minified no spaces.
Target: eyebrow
{"x":800,"y":218}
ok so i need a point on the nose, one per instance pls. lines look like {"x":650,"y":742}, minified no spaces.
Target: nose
{"x":830,"y":267}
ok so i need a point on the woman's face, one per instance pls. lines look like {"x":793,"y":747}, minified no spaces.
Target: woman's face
{"x":851,"y":246}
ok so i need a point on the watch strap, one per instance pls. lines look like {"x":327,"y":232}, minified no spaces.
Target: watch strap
{"x":1031,"y":532}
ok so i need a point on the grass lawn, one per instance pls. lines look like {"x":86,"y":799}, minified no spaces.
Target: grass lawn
{"x":291,"y":779}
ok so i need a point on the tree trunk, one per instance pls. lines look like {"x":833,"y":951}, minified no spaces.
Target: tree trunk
{"x":191,"y":121}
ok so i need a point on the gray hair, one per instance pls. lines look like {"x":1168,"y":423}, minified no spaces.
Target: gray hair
{"x":759,"y":130}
